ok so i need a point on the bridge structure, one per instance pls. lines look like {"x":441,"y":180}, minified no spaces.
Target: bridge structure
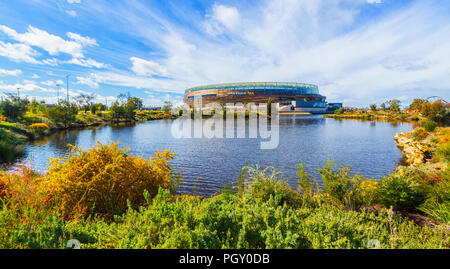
{"x":434,"y":98}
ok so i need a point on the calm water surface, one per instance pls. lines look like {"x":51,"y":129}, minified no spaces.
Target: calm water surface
{"x":368,"y":147}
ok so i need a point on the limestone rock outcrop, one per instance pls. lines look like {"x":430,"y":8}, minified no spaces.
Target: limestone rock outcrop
{"x":415,"y":152}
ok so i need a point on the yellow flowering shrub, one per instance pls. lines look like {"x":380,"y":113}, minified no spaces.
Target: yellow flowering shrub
{"x":42,"y":126}
{"x":444,"y":135}
{"x":368,"y":189}
{"x":105,"y":177}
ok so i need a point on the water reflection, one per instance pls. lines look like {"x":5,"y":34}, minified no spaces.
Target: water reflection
{"x":294,"y":120}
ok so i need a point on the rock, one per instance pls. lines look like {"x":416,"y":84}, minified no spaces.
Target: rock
{"x":414,"y":151}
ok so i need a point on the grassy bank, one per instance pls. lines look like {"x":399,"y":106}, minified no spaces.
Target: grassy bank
{"x":11,"y":142}
{"x":378,"y":115}
{"x":107,"y":198}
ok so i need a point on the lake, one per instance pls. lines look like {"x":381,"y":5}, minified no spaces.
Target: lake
{"x":369,"y":147}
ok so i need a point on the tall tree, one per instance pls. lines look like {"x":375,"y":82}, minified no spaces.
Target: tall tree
{"x":426,"y":109}
{"x":13,"y":106}
{"x":85,"y":101}
{"x":438,"y":111}
{"x":64,"y":113}
{"x":417,"y":104}
{"x":167,"y":106}
{"x":394,"y":105}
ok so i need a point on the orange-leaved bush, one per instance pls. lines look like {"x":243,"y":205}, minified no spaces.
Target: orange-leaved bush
{"x":105,"y":177}
{"x":22,"y":187}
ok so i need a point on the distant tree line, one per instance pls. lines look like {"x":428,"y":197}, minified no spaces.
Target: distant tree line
{"x":436,"y":111}
{"x":391,"y":105}
{"x":64,"y":113}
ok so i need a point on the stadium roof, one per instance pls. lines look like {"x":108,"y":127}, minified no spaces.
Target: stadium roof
{"x":256,"y":85}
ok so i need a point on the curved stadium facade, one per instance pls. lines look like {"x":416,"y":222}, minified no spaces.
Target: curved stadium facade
{"x":290,"y":95}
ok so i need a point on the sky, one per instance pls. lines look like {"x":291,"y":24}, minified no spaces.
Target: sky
{"x":358,"y":52}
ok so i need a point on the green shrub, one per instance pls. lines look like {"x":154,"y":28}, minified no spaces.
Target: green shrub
{"x":442,"y":152}
{"x":438,"y":190}
{"x":438,"y":211}
{"x":419,"y":134}
{"x":308,"y":187}
{"x":341,"y":187}
{"x":232,"y":221}
{"x":430,"y":126}
{"x":265,"y":184}
{"x":401,"y":192}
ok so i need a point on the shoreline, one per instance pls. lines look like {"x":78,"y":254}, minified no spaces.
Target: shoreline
{"x":378,"y":116}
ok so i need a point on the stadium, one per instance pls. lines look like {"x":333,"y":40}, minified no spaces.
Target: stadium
{"x":291,"y":96}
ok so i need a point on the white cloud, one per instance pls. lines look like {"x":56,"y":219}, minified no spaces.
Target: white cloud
{"x":18,"y":52}
{"x":86,"y":63}
{"x":129,"y":80}
{"x":14,"y":73}
{"x":228,"y":16}
{"x":154,"y":101}
{"x":52,"y":62}
{"x":53,"y":44}
{"x":222,"y":17}
{"x":147,"y":68}
{"x":83,"y":40}
{"x":73,"y":1}
{"x":374,"y":1}
{"x":26,"y":86}
{"x":89,"y":81}
{"x":35,"y":76}
{"x":53,"y":83}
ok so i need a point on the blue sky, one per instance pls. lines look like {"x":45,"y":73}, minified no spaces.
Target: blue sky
{"x":357,"y":51}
